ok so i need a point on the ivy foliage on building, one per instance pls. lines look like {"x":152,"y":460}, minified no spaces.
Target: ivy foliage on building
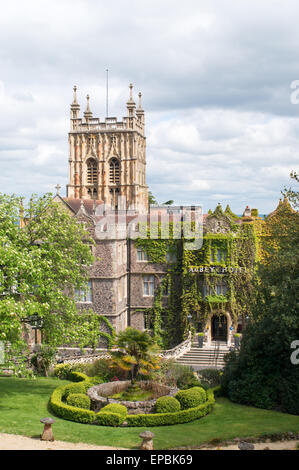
{"x":186,"y":305}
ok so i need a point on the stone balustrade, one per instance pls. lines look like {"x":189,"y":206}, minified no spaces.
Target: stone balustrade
{"x":88,"y":355}
{"x":178,"y":350}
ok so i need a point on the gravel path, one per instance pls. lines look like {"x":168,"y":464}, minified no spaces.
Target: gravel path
{"x":15,"y":442}
{"x":280,"y":445}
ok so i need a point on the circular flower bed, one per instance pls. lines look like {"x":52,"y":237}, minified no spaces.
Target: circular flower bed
{"x":101,"y":395}
{"x":116,"y":414}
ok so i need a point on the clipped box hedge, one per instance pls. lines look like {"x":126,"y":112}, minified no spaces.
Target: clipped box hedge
{"x":71,"y":413}
{"x":115,"y":415}
{"x":111,"y":415}
{"x":167,"y":405}
{"x":115,"y":408}
{"x":75,"y":376}
{"x":179,"y":417}
{"x":79,"y":400}
{"x":191,"y":398}
{"x":108,"y":419}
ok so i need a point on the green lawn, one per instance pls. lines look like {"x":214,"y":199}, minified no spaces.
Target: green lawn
{"x":23,"y":402}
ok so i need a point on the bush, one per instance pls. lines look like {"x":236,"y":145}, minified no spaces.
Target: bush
{"x":43,"y":359}
{"x":209,"y":378}
{"x":167,"y":405}
{"x":108,"y":419}
{"x":194,"y":382}
{"x":191,"y":398}
{"x":115,"y":408}
{"x":76,"y":376}
{"x":62,"y":371}
{"x":102,"y":368}
{"x":80,"y":387}
{"x":111,"y":415}
{"x":179,"y":417}
{"x":68,"y":412}
{"x":79,"y":400}
{"x":255,"y":376}
{"x":115,"y":414}
{"x":178,"y":375}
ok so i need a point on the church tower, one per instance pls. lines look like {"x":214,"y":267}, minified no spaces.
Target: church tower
{"x":107,"y":159}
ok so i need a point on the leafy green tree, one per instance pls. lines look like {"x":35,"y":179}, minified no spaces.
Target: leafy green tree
{"x":137,"y":352}
{"x":261,"y":373}
{"x":41,"y":266}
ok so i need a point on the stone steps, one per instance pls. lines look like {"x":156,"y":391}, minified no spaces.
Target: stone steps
{"x":208,"y":356}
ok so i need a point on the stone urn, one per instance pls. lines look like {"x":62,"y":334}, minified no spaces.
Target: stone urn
{"x":200,"y":339}
{"x":237,"y":339}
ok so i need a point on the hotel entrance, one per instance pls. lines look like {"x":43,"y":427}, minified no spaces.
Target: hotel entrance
{"x":219,"y":328}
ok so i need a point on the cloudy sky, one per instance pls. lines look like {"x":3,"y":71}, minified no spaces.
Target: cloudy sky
{"x":216,"y":81}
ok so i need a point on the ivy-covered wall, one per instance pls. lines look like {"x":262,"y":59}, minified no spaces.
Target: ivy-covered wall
{"x":193,"y":277}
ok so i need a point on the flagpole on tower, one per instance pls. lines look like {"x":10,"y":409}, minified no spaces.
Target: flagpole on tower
{"x":107,"y":71}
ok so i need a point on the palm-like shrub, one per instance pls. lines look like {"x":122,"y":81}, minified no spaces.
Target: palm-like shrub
{"x":137,"y":353}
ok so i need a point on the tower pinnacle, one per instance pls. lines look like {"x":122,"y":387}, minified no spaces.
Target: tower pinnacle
{"x":131,"y":105}
{"x":87,"y":113}
{"x":75,"y":107}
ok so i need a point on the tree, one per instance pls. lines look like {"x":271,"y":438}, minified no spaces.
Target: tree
{"x":168,"y":203}
{"x":262,"y":373}
{"x":41,"y":266}
{"x":151,"y":199}
{"x":137,"y":352}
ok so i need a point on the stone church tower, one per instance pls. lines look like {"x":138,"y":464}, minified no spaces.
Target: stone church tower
{"x":107,"y":159}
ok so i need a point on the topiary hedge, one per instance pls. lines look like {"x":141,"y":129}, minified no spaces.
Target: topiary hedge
{"x":71,"y":413}
{"x":108,"y":419}
{"x":79,"y":400}
{"x":167,"y":405}
{"x":179,"y":417}
{"x":115,"y":414}
{"x":115,"y":408}
{"x":191,"y":398}
{"x":75,"y":376}
{"x":80,"y":387}
{"x":111,"y":415}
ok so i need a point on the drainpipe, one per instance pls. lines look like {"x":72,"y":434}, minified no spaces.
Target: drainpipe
{"x":129,"y":282}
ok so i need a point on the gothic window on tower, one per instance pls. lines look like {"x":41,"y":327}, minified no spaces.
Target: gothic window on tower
{"x":114,"y":175}
{"x":92,"y":171}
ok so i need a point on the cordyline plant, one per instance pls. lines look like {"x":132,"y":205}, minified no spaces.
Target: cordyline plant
{"x":41,"y":265}
{"x":137,"y":352}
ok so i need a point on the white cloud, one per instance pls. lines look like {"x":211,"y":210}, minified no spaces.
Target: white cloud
{"x":215,"y":78}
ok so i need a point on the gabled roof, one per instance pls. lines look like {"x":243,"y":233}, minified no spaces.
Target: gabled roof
{"x":282,"y":205}
{"x":89,"y":204}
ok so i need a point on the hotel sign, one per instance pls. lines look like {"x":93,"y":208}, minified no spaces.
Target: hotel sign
{"x":217,"y":269}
